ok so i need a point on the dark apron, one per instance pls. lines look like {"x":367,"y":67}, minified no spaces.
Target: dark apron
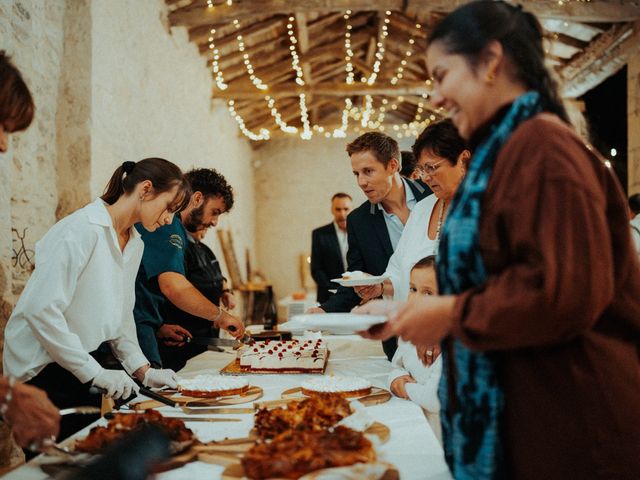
{"x":203,"y":271}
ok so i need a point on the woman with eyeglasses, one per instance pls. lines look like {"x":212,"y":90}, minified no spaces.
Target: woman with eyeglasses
{"x":441,"y":159}
{"x":539,"y":313}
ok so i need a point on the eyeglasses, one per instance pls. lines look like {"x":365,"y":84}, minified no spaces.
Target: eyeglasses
{"x":429,"y":168}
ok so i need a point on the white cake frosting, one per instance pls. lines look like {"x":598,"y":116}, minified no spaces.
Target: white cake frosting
{"x":212,"y":383}
{"x":336,"y":384}
{"x":305,"y":354}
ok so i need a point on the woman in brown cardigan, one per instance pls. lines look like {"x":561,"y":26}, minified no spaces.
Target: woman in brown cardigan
{"x":540,"y":314}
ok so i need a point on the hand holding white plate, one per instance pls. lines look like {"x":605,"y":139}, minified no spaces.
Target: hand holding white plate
{"x":336,"y":323}
{"x":360,"y":281}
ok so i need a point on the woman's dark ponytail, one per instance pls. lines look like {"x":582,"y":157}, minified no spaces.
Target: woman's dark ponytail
{"x":468,"y":29}
{"x":115,"y":187}
{"x":162,"y":174}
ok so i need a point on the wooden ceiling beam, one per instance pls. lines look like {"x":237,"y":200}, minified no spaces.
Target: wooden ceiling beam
{"x":195,"y":15}
{"x":331,"y":89}
{"x":605,"y":61}
{"x":201,"y":34}
{"x":596,"y":49}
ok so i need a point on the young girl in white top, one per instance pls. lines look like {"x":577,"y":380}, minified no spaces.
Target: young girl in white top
{"x":82,"y":293}
{"x":411,"y":378}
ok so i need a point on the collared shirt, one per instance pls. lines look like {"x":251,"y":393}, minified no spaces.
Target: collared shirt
{"x":343,"y":241}
{"x":164,"y":251}
{"x":394,"y":225}
{"x":80,"y":295}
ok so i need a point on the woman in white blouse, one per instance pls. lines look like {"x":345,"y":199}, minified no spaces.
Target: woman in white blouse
{"x":442,"y":159}
{"x":82,"y":291}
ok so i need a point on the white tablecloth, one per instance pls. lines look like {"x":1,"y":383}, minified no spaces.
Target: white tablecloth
{"x":412,"y":447}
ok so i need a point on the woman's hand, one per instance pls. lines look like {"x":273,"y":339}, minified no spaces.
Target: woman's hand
{"x":428,"y":354}
{"x":423,"y":321}
{"x":173,"y":335}
{"x":398,"y":386}
{"x":32,"y":416}
{"x":387,"y":308}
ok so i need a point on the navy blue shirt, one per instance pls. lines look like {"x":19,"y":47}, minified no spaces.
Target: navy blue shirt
{"x":164,"y":251}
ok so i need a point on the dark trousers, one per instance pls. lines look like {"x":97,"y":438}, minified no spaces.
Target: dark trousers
{"x":65,"y":391}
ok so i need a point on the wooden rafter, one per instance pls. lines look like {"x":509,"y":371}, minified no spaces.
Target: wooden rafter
{"x":604,"y":61}
{"x":332,"y":89}
{"x":198,"y":14}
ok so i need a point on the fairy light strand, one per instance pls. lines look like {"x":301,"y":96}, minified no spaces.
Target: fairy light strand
{"x":264,"y":133}
{"x":271,"y":103}
{"x":307,"y":133}
{"x":348,"y":67}
{"x":403,"y":63}
{"x":295,"y":59}
{"x":382,"y":37}
{"x":257,"y":82}
{"x":215,"y":66}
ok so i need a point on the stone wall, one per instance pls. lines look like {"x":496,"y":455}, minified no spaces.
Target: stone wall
{"x":33,"y":34}
{"x":111,"y":83}
{"x":295,"y":181}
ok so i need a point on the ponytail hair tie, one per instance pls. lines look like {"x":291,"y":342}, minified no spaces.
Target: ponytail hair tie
{"x":128,"y":167}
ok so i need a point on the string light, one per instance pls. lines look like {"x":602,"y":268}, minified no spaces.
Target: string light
{"x":304,"y":116}
{"x":295,"y":60}
{"x":382,"y":37}
{"x":347,"y":49}
{"x":264,"y":133}
{"x":278,"y":118}
{"x":342,"y":131}
{"x":257,"y":82}
{"x":211,"y":5}
{"x":218,"y":77}
{"x":399,"y":71}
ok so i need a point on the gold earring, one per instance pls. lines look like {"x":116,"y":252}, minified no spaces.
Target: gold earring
{"x":490,"y":78}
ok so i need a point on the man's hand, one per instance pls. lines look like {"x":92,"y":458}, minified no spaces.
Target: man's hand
{"x":157,"y":378}
{"x":173,"y":335}
{"x":369,"y":292}
{"x":398,"y":386}
{"x":231,"y":324}
{"x":228,"y":300}
{"x":32,"y":416}
{"x":315,"y":310}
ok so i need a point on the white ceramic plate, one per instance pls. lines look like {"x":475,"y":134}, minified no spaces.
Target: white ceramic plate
{"x":360,"y":282}
{"x":336,"y":323}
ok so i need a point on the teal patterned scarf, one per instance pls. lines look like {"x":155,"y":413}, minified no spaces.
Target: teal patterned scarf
{"x":472,"y":403}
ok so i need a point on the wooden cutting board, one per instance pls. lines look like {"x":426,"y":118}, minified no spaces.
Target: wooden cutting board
{"x":377,"y":396}
{"x":254,"y":393}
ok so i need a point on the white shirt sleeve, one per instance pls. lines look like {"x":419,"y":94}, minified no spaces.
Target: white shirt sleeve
{"x":126,"y":347}
{"x":49,"y":292}
{"x":398,"y":363}
{"x":425,"y":393}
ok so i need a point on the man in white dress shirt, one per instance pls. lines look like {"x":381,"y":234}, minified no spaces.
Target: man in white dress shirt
{"x":329,"y":247}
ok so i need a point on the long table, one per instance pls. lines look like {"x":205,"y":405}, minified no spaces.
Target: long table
{"x":412,"y":446}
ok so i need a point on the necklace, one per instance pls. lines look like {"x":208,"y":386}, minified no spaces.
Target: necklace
{"x":440,"y":218}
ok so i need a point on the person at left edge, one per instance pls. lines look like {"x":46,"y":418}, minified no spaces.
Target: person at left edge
{"x":81,"y":294}
{"x":162,"y":276}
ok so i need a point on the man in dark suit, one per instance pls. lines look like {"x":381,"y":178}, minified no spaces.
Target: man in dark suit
{"x":374,"y":228}
{"x":329,"y":247}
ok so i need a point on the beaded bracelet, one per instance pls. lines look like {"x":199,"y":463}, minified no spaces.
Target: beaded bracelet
{"x":8,"y":396}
